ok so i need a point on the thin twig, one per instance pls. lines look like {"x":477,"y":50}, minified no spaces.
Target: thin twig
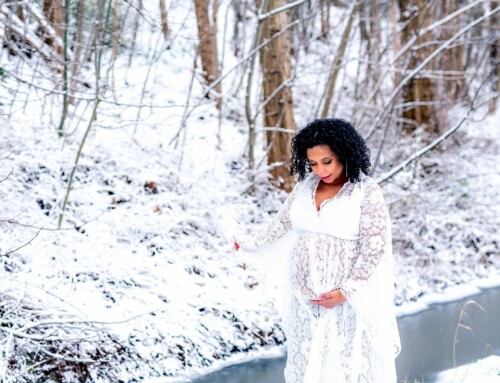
{"x":8,"y":175}
{"x":20,"y":247}
{"x":13,"y":222}
{"x":460,"y":325}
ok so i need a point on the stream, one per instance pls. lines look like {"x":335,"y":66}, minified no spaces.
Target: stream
{"x":433,"y":340}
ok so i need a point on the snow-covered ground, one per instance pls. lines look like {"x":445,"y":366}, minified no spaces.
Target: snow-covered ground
{"x":486,"y":370}
{"x":141,"y":281}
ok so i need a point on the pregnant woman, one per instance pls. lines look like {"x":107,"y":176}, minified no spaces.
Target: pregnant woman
{"x":339,"y":318}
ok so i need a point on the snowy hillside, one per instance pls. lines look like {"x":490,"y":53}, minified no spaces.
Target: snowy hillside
{"x":141,"y":281}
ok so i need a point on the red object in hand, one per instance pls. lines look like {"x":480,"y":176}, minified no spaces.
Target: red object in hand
{"x":236,"y":246}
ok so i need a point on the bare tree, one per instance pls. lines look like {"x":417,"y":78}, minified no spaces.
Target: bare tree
{"x":370,"y":29}
{"x":419,"y":93}
{"x":275,"y":61}
{"x":336,"y":65}
{"x":325,"y":16}
{"x":78,"y":41}
{"x":65,"y":68}
{"x":206,"y":16}
{"x":494,"y":56}
{"x":452,"y":61}
{"x":164,"y":19}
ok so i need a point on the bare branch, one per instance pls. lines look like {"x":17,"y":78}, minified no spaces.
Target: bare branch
{"x":433,"y":27}
{"x":390,"y":65}
{"x":276,"y":129}
{"x":434,"y":143}
{"x":8,"y":175}
{"x":20,"y":247}
{"x":264,"y":16}
{"x":13,"y":222}
{"x":429,"y":58}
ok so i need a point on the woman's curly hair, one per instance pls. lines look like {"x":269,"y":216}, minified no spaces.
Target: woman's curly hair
{"x":343,"y":140}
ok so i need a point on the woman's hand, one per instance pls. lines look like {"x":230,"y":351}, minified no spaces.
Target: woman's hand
{"x":330,"y":299}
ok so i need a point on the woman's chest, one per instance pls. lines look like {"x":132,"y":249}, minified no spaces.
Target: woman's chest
{"x":338,"y":216}
{"x":324,"y":194}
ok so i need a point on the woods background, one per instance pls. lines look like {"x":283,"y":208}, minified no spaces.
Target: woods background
{"x":108,"y":107}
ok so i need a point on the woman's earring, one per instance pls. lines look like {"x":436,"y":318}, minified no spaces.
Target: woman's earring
{"x":346,"y":170}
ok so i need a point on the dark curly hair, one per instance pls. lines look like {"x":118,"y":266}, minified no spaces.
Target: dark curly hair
{"x":343,"y":140}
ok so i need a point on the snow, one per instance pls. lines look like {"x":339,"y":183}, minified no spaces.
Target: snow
{"x":486,"y":370}
{"x":141,"y":282}
{"x":451,"y":294}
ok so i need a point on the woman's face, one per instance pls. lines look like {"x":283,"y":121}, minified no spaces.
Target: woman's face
{"x":326,"y":164}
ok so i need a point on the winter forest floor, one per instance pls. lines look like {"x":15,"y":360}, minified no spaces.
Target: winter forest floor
{"x":141,"y":281}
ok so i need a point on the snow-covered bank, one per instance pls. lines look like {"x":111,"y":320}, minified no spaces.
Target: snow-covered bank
{"x":486,"y":370}
{"x":450,"y":294}
{"x":143,"y":268}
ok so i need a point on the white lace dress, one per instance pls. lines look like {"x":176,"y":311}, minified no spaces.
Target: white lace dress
{"x":345,"y":245}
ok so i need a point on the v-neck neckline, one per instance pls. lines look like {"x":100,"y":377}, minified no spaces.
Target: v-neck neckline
{"x":315,"y":185}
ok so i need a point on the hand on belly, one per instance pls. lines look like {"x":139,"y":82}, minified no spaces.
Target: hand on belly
{"x":330,"y":299}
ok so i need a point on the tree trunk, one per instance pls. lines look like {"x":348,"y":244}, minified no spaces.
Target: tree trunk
{"x":164,"y":19}
{"x":65,"y":69}
{"x":395,"y":44}
{"x":337,"y":62}
{"x":325,"y":17}
{"x":53,"y":10}
{"x":494,"y":58}
{"x":275,"y":60}
{"x":452,"y":61}
{"x":375,"y":39}
{"x":78,"y":41}
{"x":207,"y":34}
{"x":420,"y":92}
{"x":135,"y":30}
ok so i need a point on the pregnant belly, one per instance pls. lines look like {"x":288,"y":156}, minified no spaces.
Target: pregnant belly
{"x":320,"y":263}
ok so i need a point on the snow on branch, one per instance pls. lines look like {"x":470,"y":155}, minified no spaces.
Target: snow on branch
{"x":7,"y":19}
{"x":264,"y":16}
{"x":434,"y":143}
{"x":44,"y":24}
{"x":428,"y":59}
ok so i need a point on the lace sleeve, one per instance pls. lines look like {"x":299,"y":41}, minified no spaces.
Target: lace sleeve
{"x":369,"y":287}
{"x":280,"y":225}
{"x":375,"y":236}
